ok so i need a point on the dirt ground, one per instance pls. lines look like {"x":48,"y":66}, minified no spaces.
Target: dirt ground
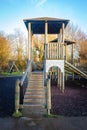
{"x":60,"y":123}
{"x":73,"y":102}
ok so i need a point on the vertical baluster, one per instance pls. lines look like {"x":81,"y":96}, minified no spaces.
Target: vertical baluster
{"x":61,"y":51}
{"x":57,"y":50}
{"x":52,"y":51}
{"x":48,"y":51}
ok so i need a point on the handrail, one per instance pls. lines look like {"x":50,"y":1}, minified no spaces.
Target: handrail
{"x":76,"y":70}
{"x":28,"y":70}
{"x":20,"y":83}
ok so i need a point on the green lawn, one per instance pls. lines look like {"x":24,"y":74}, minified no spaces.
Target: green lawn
{"x":11,"y":74}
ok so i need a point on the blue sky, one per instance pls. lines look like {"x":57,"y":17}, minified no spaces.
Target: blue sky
{"x":12,"y":12}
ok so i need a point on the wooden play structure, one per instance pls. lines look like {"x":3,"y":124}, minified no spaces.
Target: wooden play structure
{"x":37,"y":98}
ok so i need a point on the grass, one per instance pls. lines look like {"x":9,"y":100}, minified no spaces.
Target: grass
{"x":53,"y":116}
{"x":17,"y":114}
{"x":50,"y":116}
{"x":11,"y":74}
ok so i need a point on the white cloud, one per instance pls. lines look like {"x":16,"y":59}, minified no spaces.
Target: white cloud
{"x":38,"y":3}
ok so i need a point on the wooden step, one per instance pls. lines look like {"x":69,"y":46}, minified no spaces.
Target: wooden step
{"x":31,"y":99}
{"x":35,"y":87}
{"x":34,"y":110}
{"x":34,"y":92}
{"x":34,"y":96}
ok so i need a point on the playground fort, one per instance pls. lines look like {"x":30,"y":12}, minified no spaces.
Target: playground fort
{"x":37,"y":97}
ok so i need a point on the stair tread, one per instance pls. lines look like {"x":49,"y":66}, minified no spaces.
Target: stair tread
{"x":35,"y":96}
{"x":35,"y":88}
{"x":36,"y":105}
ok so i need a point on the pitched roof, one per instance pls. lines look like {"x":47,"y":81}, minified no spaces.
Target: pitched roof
{"x":67,"y":41}
{"x":38,"y":24}
{"x":45,"y":19}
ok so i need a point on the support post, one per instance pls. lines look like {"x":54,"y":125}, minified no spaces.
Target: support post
{"x":48,"y":97}
{"x":62,"y":81}
{"x":29,"y":41}
{"x":65,"y":52}
{"x":45,"y":42}
{"x":63,"y":32}
{"x":73,"y":76}
{"x":45,"y":39}
{"x":63,"y":40}
{"x":58,"y":77}
{"x":66,"y":76}
{"x":17,"y":96}
{"x":72,"y":54}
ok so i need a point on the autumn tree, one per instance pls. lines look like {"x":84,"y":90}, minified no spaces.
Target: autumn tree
{"x":5,"y":52}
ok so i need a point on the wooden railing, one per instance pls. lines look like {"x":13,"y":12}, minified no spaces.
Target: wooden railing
{"x":18,"y":84}
{"x":74,"y":69}
{"x":27,"y":73}
{"x":54,"y":51}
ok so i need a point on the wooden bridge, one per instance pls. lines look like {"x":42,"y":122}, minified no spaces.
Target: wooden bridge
{"x":37,"y":98}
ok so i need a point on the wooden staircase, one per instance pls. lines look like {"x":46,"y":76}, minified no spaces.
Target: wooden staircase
{"x":34,"y":100}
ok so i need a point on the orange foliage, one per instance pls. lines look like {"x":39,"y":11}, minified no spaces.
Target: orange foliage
{"x":5,"y":51}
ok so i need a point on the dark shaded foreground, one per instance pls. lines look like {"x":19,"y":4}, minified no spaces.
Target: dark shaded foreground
{"x":73,"y":102}
{"x":60,"y":123}
{"x":7,"y":95}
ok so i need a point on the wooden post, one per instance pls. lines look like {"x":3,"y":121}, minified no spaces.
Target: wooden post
{"x":63,"y":32}
{"x":58,"y":77}
{"x":60,"y":35}
{"x":73,"y":76}
{"x":72,"y":54}
{"x":45,"y":42}
{"x":31,"y":46}
{"x":29,"y":41}
{"x":17,"y":96}
{"x":63,"y":40}
{"x":48,"y":97}
{"x":59,"y":50}
{"x":66,"y":76}
{"x":45,"y":38}
{"x":62,"y":81}
{"x":65,"y":53}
